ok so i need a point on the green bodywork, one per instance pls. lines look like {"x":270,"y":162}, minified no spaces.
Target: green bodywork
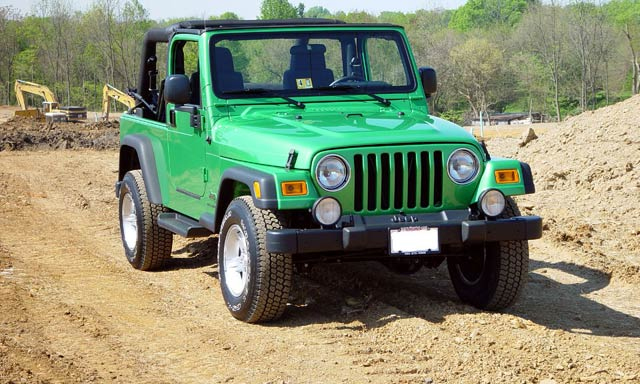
{"x":259,"y":133}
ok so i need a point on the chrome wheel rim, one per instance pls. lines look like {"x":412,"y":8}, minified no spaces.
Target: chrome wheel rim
{"x":236,"y":260}
{"x":129,"y":222}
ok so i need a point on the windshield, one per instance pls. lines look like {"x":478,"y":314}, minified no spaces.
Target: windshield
{"x":310,"y":63}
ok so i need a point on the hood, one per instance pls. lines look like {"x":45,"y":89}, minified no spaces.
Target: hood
{"x":267,"y":138}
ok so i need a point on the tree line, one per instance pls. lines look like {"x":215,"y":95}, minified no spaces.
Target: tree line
{"x":491,"y":56}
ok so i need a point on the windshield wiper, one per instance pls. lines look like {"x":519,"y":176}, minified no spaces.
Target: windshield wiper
{"x":381,"y":99}
{"x":345,"y":87}
{"x":264,"y":91}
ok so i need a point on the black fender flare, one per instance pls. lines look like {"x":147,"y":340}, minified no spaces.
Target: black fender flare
{"x":144,"y":149}
{"x":527,"y":178}
{"x":268,"y":194}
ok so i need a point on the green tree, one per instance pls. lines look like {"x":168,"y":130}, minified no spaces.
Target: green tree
{"x":228,"y":16}
{"x":56,"y":45}
{"x":542,"y":33}
{"x":531,"y":87}
{"x":432,"y":41}
{"x":488,"y":13}
{"x":356,"y":17}
{"x":132,"y":23}
{"x":26,"y":64}
{"x":625,"y":15}
{"x":554,"y":57}
{"x":318,"y":11}
{"x":9,"y":48}
{"x":277,"y":9}
{"x":478,"y":67}
{"x":396,"y":18}
{"x":591,"y":40}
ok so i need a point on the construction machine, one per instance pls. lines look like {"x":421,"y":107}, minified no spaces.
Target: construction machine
{"x":110,"y":92}
{"x":50,"y":106}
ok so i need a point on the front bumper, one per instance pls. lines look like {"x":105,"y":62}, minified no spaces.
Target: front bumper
{"x":360,"y":233}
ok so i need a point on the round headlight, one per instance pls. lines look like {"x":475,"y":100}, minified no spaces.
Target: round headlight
{"x":462,"y":166}
{"x":327,"y":211}
{"x":492,"y":202}
{"x":332,"y":172}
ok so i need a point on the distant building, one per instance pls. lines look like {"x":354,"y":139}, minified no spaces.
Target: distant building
{"x":509,"y":118}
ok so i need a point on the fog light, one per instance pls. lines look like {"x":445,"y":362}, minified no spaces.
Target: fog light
{"x":492,"y":202}
{"x":327,"y":211}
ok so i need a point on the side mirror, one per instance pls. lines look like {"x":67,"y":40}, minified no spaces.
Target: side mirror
{"x":177,"y":89}
{"x":429,"y":80}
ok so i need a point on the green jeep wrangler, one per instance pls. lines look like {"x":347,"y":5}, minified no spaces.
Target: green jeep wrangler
{"x":305,"y":141}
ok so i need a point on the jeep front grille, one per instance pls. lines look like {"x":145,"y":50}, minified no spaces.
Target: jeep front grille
{"x":397,"y":181}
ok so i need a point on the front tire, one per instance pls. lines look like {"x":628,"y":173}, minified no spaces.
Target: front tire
{"x":492,"y":276}
{"x":146,"y":245}
{"x":255,"y":284}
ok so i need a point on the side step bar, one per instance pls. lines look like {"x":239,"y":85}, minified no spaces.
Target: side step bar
{"x":182,"y":225}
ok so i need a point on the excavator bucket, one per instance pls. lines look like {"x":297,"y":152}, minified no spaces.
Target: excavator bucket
{"x":29,"y":113}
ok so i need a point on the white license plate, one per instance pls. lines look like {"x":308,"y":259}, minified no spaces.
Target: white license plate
{"x":413,"y":241}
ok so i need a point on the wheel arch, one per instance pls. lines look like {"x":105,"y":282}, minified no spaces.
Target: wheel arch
{"x":136,"y":152}
{"x":237,"y":181}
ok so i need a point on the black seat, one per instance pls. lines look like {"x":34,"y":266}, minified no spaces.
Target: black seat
{"x":307,"y":62}
{"x":225,"y":76}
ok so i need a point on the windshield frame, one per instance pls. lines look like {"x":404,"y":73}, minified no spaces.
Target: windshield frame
{"x":357,"y":88}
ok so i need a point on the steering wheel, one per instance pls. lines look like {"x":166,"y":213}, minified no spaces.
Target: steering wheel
{"x":344,"y":79}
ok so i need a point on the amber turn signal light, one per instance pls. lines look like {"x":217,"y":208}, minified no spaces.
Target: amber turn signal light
{"x":294,"y":188}
{"x":507,"y":176}
{"x":256,"y":190}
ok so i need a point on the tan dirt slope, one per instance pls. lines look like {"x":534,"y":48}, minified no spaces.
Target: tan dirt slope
{"x":587,"y":174}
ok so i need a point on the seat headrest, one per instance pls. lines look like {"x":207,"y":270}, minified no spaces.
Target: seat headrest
{"x":223,"y":60}
{"x":308,"y":56}
{"x":308,"y":49}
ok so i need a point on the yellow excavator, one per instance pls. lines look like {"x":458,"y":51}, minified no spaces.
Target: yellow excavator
{"x":110,"y":92}
{"x":52,"y":111}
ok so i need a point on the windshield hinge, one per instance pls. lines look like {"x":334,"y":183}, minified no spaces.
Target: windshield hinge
{"x":291,"y":160}
{"x":196,"y":120}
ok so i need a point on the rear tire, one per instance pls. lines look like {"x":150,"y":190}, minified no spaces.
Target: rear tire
{"x":255,"y":283}
{"x":146,"y":245}
{"x":492,"y":276}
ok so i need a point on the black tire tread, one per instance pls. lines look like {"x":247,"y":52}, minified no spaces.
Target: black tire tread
{"x":510,"y":263}
{"x":514,"y":266}
{"x":156,"y":242}
{"x":275,"y":270}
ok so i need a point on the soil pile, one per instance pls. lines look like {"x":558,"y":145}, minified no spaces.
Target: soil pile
{"x":24,"y":134}
{"x":587,"y":175}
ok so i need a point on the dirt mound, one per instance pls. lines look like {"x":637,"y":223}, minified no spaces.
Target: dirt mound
{"x":587,"y":172}
{"x":24,"y":134}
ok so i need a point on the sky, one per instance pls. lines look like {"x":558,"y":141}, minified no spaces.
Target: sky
{"x":250,"y":9}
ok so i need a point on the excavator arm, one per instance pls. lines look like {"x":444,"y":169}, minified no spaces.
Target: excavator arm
{"x":22,"y":87}
{"x":110,"y":92}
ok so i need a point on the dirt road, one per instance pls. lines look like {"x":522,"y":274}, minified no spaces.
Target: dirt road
{"x":73,"y":310}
